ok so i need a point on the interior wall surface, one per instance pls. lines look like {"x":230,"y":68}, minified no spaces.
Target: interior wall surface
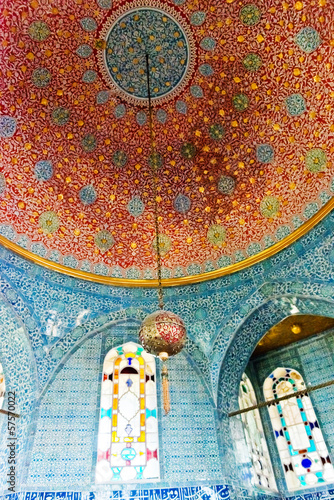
{"x":64,"y":451}
{"x":313,"y":358}
{"x":225,"y":318}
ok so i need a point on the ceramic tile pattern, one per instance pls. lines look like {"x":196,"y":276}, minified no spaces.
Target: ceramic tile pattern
{"x":51,"y":317}
{"x":70,"y":407}
{"x":237,"y":120}
{"x":314,"y":359}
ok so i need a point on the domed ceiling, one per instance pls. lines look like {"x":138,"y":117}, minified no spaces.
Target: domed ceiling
{"x":243,"y":97}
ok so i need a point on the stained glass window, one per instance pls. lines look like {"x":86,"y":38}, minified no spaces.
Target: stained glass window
{"x":262,"y":471}
{"x":2,"y":386}
{"x":128,"y":427}
{"x":299,"y":439}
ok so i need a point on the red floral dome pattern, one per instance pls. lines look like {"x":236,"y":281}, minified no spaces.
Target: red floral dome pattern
{"x":244,"y":151}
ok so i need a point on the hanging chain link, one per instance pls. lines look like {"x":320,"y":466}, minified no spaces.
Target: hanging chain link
{"x":154,"y":167}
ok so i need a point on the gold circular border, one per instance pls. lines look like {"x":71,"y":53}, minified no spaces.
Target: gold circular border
{"x":186,"y":280}
{"x":192,"y":56}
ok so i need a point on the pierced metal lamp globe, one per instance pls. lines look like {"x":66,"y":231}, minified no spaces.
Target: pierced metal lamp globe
{"x":163,"y":334}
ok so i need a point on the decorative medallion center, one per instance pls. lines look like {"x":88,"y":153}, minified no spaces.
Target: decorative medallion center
{"x":153,"y":31}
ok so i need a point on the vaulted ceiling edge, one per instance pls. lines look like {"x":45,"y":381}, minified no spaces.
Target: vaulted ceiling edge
{"x":187,"y":280}
{"x":243,"y":120}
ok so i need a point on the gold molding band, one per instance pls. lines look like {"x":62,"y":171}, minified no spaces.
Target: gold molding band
{"x":186,"y":280}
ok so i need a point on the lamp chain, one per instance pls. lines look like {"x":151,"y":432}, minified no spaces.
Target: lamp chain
{"x":154,"y":167}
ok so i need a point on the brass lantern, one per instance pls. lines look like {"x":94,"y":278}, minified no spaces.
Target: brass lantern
{"x":163,"y":334}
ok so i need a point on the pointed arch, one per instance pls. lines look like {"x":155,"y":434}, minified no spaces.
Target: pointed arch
{"x":128,"y":426}
{"x":300,"y":443}
{"x":262,"y":470}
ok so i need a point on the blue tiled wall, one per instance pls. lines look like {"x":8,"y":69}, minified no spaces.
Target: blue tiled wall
{"x":210,"y":492}
{"x":314,"y":359}
{"x":63,"y":445}
{"x":48,"y":316}
{"x":63,"y":453}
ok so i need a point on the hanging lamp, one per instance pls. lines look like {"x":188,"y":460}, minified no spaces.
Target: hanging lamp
{"x":162,"y":333}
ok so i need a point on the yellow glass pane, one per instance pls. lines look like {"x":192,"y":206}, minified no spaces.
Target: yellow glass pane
{"x":114,"y":438}
{"x":130,"y":355}
{"x":142,"y":437}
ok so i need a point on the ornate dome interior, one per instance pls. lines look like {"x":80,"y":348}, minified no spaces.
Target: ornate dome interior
{"x":242,"y":115}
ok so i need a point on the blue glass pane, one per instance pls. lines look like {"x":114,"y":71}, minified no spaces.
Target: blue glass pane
{"x":312,"y":446}
{"x":306,"y":463}
{"x":292,"y":451}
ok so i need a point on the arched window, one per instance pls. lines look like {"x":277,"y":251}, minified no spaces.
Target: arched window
{"x":2,"y":386}
{"x":262,"y":470}
{"x":128,"y":428}
{"x":299,"y":439}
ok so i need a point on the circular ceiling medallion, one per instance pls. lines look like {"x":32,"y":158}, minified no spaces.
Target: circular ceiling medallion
{"x":159,"y":32}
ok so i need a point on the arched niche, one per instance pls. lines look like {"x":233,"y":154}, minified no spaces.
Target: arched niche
{"x":238,"y":353}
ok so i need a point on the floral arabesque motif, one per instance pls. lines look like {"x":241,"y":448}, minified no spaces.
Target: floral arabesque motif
{"x":216,"y":234}
{"x":87,"y":194}
{"x":165,"y":244}
{"x":265,"y":153}
{"x":250,"y":14}
{"x":49,"y":222}
{"x":41,"y":77}
{"x":308,"y":39}
{"x":39,"y":31}
{"x":240,"y":102}
{"x":295,"y":104}
{"x":104,"y":240}
{"x":43,"y":170}
{"x":216,"y":131}
{"x":7,"y":126}
{"x":226,"y":184}
{"x":120,"y":158}
{"x":135,"y":206}
{"x":252,"y":62}
{"x":147,"y":31}
{"x":269,"y":206}
{"x":316,"y":160}
{"x":60,"y":116}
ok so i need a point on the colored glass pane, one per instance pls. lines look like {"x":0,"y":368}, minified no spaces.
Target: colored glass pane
{"x":299,"y":440}
{"x":262,"y":471}
{"x":128,"y":429}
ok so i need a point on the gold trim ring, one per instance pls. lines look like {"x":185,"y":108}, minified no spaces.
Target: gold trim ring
{"x":186,"y":280}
